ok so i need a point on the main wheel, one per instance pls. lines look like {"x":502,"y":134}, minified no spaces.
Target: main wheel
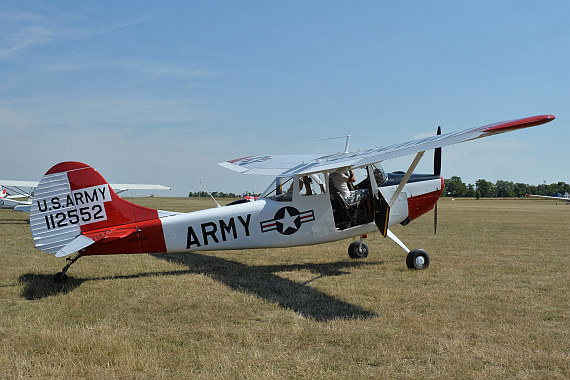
{"x":357,"y":251}
{"x":417,"y":259}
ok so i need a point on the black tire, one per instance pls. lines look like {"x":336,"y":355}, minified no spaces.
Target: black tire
{"x":417,"y":259}
{"x":357,"y":251}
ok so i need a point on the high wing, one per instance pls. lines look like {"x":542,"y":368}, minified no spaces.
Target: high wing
{"x":307,"y":164}
{"x":121,"y":187}
{"x":118,"y":187}
{"x":15,"y":183}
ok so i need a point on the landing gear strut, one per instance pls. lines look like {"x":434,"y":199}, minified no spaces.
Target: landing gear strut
{"x":62,"y":276}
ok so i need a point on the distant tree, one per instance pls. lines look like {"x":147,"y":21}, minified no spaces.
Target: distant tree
{"x":505,"y":189}
{"x":486,"y":188}
{"x":471,"y":191}
{"x":521,"y":189}
{"x":454,"y":187}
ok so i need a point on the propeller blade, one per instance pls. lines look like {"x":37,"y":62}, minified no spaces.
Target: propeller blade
{"x":436,"y":171}
{"x":437,"y":157}
{"x":435,"y":219}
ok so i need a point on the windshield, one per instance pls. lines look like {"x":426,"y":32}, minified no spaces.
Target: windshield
{"x":278,"y":188}
{"x":282,"y":188}
{"x":379,"y":174}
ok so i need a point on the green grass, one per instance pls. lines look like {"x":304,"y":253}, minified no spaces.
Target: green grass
{"x":493,"y":304}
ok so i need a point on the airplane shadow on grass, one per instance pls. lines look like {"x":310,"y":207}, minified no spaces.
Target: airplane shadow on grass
{"x":257,"y":280}
{"x":264,"y":283}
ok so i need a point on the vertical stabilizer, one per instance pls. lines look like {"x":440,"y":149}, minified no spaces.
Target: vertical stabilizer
{"x":73,"y":199}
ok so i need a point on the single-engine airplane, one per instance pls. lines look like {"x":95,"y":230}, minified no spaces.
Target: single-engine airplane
{"x":8,"y":201}
{"x":17,"y":203}
{"x":75,"y":210}
{"x":15,"y":200}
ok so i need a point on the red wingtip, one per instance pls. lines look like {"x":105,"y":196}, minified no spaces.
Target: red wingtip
{"x":519,"y":123}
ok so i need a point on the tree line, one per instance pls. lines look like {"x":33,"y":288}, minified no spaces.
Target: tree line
{"x":454,"y":187}
{"x":218,"y":194}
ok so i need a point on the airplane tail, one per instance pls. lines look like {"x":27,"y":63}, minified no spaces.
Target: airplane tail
{"x":3,"y":194}
{"x":74,"y":207}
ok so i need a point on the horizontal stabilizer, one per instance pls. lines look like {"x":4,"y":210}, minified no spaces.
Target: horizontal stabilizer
{"x":75,"y":245}
{"x":84,"y":241}
{"x":111,"y":235}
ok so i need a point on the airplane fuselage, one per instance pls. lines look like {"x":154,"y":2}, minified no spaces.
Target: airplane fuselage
{"x":266,"y":223}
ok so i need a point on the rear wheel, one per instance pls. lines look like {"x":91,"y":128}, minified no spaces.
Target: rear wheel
{"x":357,"y":250}
{"x":417,"y":259}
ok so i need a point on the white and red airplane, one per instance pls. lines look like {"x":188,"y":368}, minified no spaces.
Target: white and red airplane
{"x":75,"y":210}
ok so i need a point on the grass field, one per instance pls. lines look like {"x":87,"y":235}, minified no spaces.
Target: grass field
{"x":493,"y":304}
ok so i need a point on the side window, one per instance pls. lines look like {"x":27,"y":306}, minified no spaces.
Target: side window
{"x":312,"y":184}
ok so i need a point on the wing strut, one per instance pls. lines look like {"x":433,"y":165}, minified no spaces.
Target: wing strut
{"x":382,"y":208}
{"x":406,"y":177}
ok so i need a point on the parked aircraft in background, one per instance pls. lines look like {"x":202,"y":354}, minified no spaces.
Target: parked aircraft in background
{"x":19,"y":193}
{"x":565,"y":197}
{"x":75,"y":210}
{"x":25,"y":189}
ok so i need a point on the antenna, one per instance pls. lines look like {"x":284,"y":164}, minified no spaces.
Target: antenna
{"x":204,"y":186}
{"x":339,"y":137}
{"x":346,"y":145}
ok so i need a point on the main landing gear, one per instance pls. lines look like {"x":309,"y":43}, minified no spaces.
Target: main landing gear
{"x":358,"y":249}
{"x":416,"y":258}
{"x":62,"y":276}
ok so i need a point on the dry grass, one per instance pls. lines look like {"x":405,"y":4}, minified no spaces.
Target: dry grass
{"x":493,"y":304}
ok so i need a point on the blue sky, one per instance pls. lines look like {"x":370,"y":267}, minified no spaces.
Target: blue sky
{"x":153,"y":92}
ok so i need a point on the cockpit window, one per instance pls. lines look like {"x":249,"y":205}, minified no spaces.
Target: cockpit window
{"x":282,"y":188}
{"x":379,"y":174}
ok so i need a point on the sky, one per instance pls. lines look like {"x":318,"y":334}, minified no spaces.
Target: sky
{"x":160,"y":92}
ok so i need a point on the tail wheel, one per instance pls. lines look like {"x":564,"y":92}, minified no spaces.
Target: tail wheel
{"x":60,"y":277}
{"x":358,"y":250}
{"x":417,"y":259}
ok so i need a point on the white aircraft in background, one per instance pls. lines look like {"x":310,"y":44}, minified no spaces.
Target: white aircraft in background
{"x":25,"y":189}
{"x":565,"y":197}
{"x":75,"y":210}
{"x":19,"y":198}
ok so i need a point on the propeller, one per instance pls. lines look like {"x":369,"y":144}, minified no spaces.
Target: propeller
{"x":437,"y":157}
{"x":436,"y":171}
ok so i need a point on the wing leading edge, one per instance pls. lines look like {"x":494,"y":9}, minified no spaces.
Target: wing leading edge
{"x":306,"y":164}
